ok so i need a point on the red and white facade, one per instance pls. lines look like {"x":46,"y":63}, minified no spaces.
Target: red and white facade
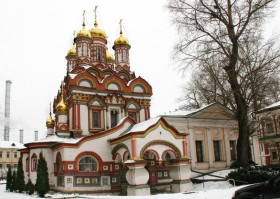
{"x":102,"y":138}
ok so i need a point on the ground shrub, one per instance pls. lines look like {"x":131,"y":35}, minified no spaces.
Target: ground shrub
{"x":253,"y":174}
{"x":29,"y":187}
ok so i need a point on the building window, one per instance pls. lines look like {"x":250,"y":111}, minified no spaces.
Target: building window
{"x":87,"y":181}
{"x":60,"y":181}
{"x":8,"y":154}
{"x":98,"y":54}
{"x":274,"y":155}
{"x":1,"y":166}
{"x":105,"y":180}
{"x":34,"y":162}
{"x":199,"y":151}
{"x":88,"y":164}
{"x":114,"y":118}
{"x":1,"y":154}
{"x":217,"y":150}
{"x":269,"y":128}
{"x":232,"y":147}
{"x":95,"y":119}
{"x":15,"y":165}
{"x":15,"y":154}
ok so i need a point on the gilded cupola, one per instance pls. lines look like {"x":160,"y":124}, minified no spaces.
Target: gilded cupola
{"x":96,"y":32}
{"x":50,"y":121}
{"x":61,"y":106}
{"x":84,"y":32}
{"x":109,"y":56}
{"x":121,"y":39}
{"x":72,"y":51}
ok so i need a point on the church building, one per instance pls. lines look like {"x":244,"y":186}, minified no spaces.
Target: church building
{"x":102,"y":138}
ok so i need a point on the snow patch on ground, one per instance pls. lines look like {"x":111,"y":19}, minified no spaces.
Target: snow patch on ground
{"x":207,"y":190}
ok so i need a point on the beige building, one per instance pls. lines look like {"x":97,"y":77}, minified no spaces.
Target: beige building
{"x":212,"y":139}
{"x":9,"y":155}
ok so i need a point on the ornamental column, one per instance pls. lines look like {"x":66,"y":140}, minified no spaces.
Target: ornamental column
{"x":210,"y":148}
{"x":181,"y":173}
{"x":192,"y":148}
{"x":227,"y":147}
{"x":137,"y":177}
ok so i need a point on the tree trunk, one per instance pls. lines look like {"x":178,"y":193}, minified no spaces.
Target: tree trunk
{"x":241,"y":109}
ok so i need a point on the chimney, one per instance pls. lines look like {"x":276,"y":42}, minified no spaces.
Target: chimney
{"x":7,"y":110}
{"x":21,"y":136}
{"x":36,"y":135}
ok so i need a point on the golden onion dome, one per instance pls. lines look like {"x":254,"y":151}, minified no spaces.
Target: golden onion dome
{"x":121,"y":40}
{"x":72,"y":51}
{"x":83,"y":32}
{"x":96,"y":32}
{"x":109,"y":56}
{"x":61,"y":107}
{"x":50,"y":122}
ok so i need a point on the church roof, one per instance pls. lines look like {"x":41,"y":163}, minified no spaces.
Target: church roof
{"x":142,"y":126}
{"x":11,"y":145}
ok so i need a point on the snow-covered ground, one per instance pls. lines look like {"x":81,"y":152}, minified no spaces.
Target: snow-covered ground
{"x":210,"y":190}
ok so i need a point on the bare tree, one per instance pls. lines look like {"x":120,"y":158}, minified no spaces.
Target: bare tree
{"x":216,"y":28}
{"x":258,"y":73}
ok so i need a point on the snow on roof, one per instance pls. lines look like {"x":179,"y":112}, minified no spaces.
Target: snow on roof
{"x":142,"y":126}
{"x":86,"y":66}
{"x":72,"y":76}
{"x":11,"y":145}
{"x":186,"y":113}
{"x":128,"y":83}
{"x":274,"y":105}
{"x":55,"y":138}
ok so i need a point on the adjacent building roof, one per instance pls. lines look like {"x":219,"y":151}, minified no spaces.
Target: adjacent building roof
{"x":55,"y":139}
{"x":210,"y":111}
{"x":11,"y":145}
{"x":273,"y":106}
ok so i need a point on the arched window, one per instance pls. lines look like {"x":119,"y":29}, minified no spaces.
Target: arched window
{"x":27,"y":165}
{"x":88,"y":164}
{"x":34,"y":162}
{"x":59,"y":165}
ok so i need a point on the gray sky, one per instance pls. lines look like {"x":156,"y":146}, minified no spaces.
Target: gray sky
{"x":36,"y":35}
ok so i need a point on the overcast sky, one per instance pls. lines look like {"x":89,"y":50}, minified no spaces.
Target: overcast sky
{"x":36,"y":35}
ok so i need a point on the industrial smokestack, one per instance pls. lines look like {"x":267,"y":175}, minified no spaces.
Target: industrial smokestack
{"x":21,"y":136}
{"x":7,"y":110}
{"x":36,"y":135}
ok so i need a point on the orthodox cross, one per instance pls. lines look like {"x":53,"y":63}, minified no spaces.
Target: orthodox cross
{"x":120,"y":26}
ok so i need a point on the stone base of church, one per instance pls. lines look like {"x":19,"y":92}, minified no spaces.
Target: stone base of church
{"x":142,"y":190}
{"x":181,"y":186}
